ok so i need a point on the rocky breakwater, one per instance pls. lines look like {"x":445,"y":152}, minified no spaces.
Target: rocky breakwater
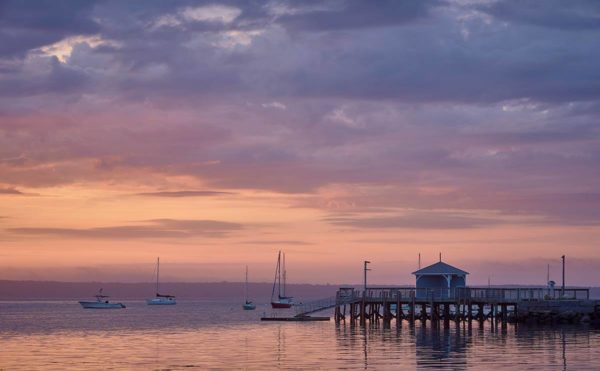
{"x":559,"y":311}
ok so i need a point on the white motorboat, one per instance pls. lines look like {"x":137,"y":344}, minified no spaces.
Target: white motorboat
{"x":101,"y":303}
{"x":160,"y":299}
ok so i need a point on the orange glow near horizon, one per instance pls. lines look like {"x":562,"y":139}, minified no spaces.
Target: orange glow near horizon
{"x":44,"y":240}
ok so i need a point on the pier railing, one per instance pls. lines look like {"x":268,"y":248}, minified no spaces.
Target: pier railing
{"x":525,"y":293}
{"x":516,"y":294}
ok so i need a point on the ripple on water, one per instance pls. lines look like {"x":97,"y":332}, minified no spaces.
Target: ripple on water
{"x":201,"y":335}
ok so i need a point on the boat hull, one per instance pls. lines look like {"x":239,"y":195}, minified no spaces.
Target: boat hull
{"x":100,"y":305}
{"x":249,"y":306}
{"x":161,"y":301}
{"x":280,"y":305}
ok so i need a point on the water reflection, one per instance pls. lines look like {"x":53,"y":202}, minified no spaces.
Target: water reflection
{"x":437,"y":345}
{"x":564,"y":349}
{"x":470,"y":345}
{"x":192,"y":337}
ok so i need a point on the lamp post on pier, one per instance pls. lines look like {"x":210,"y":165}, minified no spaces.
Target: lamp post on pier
{"x":366,"y":269}
{"x":563,"y":276}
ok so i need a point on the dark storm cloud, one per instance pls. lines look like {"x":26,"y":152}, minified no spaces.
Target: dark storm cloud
{"x":158,"y":228}
{"x":57,"y":77}
{"x":420,"y":62}
{"x":184,"y":57}
{"x":353,"y":14}
{"x":573,"y":15}
{"x":26,"y":25}
{"x":576,"y":133}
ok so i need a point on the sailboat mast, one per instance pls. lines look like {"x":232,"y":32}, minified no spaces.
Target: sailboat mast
{"x":277,"y":272}
{"x":284,"y":274}
{"x":157,"y":272}
{"x":246,"y":284}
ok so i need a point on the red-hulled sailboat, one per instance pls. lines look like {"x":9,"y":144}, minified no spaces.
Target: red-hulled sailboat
{"x":281,"y":301}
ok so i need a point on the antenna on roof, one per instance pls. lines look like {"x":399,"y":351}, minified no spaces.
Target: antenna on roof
{"x":548,"y":274}
{"x":419,"y":260}
{"x":440,"y":257}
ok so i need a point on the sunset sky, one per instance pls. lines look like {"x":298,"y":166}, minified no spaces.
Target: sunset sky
{"x":213,"y":134}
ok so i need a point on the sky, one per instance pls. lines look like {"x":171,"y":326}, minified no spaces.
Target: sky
{"x":215,"y":133}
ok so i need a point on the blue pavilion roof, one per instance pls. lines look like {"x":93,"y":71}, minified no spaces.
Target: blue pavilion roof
{"x":440,"y":268}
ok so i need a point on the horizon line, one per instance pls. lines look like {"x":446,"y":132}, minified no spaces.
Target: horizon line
{"x":360,"y":285}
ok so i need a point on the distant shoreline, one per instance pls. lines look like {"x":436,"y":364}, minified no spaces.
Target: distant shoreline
{"x":57,"y":290}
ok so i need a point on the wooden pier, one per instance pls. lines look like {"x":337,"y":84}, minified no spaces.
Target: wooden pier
{"x":461,"y":304}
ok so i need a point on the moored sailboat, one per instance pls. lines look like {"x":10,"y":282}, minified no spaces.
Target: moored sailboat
{"x":160,"y":299}
{"x":101,"y":303}
{"x":281,"y":301}
{"x":248,"y":305}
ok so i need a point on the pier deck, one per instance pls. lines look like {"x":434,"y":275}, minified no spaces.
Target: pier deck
{"x":465,"y":303}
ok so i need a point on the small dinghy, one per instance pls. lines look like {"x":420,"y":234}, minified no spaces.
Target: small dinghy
{"x":249,"y":306}
{"x":101,"y":303}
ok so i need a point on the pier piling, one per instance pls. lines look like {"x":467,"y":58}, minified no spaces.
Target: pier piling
{"x":465,"y":304}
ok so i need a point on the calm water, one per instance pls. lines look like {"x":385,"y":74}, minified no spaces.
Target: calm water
{"x":208,"y":335}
